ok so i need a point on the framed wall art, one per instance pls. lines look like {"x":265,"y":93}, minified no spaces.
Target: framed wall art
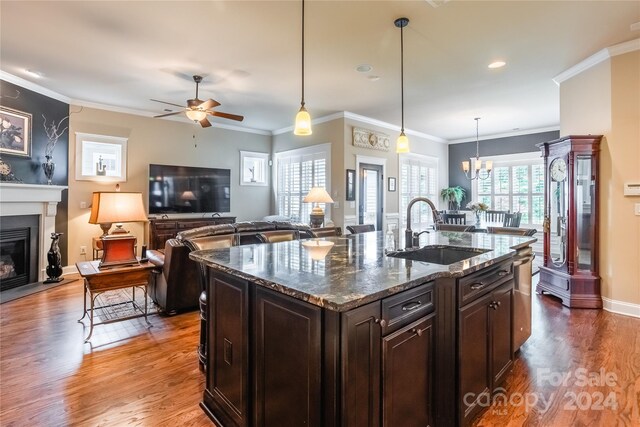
{"x":254,"y":168}
{"x":351,"y":185}
{"x":101,"y":158}
{"x":15,"y":132}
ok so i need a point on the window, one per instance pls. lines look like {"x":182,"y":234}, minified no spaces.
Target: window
{"x":298,"y":171}
{"x":418,"y":177}
{"x":517,"y":185}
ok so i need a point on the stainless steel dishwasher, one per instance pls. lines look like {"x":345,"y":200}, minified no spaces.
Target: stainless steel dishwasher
{"x":522,"y":267}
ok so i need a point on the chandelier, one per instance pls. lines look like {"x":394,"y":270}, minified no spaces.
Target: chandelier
{"x":479,"y":172}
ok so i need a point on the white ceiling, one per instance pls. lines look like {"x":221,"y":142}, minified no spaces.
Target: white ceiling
{"x":121,"y":54}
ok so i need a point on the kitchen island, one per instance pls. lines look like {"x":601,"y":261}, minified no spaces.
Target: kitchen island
{"x":356,"y":337}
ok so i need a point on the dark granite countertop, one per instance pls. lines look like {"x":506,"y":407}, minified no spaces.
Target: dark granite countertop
{"x":356,"y":270}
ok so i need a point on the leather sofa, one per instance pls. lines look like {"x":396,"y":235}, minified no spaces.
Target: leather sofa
{"x":175,"y":286}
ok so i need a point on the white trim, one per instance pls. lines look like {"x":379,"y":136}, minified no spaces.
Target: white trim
{"x":363,"y":119}
{"x":26,"y":84}
{"x":506,"y":134}
{"x":596,"y":58}
{"x":621,"y":307}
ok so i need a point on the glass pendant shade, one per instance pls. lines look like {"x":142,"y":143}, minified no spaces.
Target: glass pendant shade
{"x":402,"y":143}
{"x":303,"y":122}
{"x":196,"y":115}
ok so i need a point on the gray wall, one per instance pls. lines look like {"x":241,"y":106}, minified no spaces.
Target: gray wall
{"x":491,"y":147}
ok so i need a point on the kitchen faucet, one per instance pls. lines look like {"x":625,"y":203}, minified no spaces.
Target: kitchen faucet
{"x":408,"y":233}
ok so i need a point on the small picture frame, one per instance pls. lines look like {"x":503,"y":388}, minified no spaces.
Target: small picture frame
{"x":350,"y":192}
{"x":15,"y":132}
{"x":391,"y":184}
{"x":254,"y":168}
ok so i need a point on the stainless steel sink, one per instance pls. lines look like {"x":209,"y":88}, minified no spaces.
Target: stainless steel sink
{"x":443,"y":255}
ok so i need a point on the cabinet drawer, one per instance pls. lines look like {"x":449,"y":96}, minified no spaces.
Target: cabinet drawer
{"x":164,"y":225}
{"x":193,"y":224}
{"x":401,"y":309}
{"x":479,"y":283}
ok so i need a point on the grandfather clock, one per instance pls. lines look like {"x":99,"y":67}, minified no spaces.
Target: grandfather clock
{"x":570,"y":264}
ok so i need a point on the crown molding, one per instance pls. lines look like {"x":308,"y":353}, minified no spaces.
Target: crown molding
{"x":19,"y":81}
{"x":596,"y":58}
{"x":505,"y":135}
{"x":364,"y":119}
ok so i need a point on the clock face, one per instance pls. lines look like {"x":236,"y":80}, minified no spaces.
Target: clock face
{"x":558,"y":170}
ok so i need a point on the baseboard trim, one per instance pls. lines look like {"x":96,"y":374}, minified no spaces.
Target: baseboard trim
{"x":621,"y":307}
{"x":69,"y":269}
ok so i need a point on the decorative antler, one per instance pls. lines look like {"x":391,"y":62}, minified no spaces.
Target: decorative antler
{"x":53,"y":133}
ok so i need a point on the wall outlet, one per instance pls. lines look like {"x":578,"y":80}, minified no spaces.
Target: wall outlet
{"x":83,"y":205}
{"x":336,"y":205}
{"x":83,"y":250}
{"x":638,"y":209}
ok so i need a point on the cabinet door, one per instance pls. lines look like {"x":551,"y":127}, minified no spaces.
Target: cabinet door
{"x":474,"y":354}
{"x":361,"y":366}
{"x":501,"y":332}
{"x":407,"y":375}
{"x":227,"y":383}
{"x":287,"y":355}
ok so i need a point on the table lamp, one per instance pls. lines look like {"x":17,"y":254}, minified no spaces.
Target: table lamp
{"x":118,"y":248}
{"x":317,"y":195}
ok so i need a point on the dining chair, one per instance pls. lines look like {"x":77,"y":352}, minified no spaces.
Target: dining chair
{"x":495,"y":216}
{"x":512,"y":220}
{"x":278,"y":236}
{"x":361,"y":228}
{"x":460,"y":219}
{"x":326,"y":232}
{"x":455,"y":227}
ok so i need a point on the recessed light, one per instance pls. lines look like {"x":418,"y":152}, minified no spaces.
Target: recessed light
{"x":364,"y":68}
{"x":497,"y":64}
{"x":373,"y":78}
{"x":33,"y":73}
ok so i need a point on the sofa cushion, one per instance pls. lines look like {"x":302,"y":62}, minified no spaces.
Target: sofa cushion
{"x":283,"y":225}
{"x":208,"y":230}
{"x":249,"y":226}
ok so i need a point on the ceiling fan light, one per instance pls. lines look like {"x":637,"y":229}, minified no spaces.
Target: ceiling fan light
{"x":402,"y":143}
{"x":196,"y":115}
{"x":303,"y":122}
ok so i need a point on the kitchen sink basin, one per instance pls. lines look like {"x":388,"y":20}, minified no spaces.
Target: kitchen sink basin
{"x":443,"y":255}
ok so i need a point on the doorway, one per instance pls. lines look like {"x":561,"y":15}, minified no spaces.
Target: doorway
{"x":370,"y":207}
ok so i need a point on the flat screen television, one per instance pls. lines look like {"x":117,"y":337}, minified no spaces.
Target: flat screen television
{"x":185,"y":189}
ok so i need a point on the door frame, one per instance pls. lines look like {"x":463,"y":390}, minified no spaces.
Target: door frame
{"x":374,"y":161}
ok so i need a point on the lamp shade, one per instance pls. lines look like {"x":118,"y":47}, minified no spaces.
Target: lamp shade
{"x":303,"y":123}
{"x":116,"y":206}
{"x":402,"y":144}
{"x":318,"y":249}
{"x":318,"y":195}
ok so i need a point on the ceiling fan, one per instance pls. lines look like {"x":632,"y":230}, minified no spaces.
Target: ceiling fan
{"x":197,"y":109}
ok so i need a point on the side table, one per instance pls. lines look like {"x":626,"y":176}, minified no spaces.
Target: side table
{"x":98,"y":281}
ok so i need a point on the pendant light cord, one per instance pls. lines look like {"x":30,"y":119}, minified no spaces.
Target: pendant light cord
{"x":302,"y":103}
{"x":402,"y":76}
{"x":477,"y":140}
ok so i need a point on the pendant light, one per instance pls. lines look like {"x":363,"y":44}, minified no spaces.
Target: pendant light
{"x":479,"y":172}
{"x":402,"y":143}
{"x":303,"y":119}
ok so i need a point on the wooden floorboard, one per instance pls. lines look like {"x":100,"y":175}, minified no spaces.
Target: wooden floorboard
{"x":131,"y":375}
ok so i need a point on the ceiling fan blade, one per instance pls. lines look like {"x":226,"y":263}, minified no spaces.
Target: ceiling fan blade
{"x":168,"y":114}
{"x":205,"y":123}
{"x":226,"y":115}
{"x":168,"y":103}
{"x":209,"y":103}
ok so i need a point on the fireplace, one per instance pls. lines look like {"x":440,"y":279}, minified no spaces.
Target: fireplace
{"x":28,"y":202}
{"x":18,"y":250}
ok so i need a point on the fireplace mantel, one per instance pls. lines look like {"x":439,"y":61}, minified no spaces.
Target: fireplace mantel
{"x":33,"y":199}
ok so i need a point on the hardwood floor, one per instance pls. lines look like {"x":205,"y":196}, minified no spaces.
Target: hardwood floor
{"x":131,"y":375}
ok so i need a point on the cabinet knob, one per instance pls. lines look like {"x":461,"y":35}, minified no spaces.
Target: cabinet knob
{"x":382,"y":322}
{"x":417,"y":331}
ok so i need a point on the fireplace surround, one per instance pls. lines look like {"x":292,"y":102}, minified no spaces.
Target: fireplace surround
{"x":17,"y":200}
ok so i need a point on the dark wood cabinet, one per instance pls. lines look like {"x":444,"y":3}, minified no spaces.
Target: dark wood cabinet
{"x":407,"y":375}
{"x":570,"y":263}
{"x":287,"y":361}
{"x":227,"y":381}
{"x":486,"y":349}
{"x":360,"y":338}
{"x":161,"y":230}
